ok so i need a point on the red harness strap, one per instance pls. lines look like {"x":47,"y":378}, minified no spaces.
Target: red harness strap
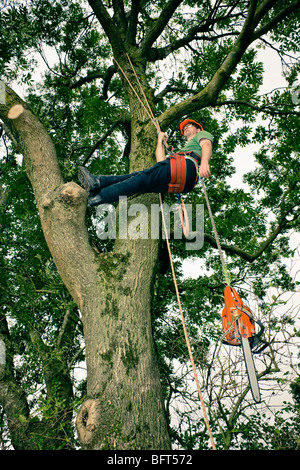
{"x":178,"y":173}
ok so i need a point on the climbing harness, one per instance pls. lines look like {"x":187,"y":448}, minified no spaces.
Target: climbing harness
{"x":178,"y":173}
{"x":156,"y":124}
{"x":178,"y":170}
{"x":237,"y":319}
{"x":178,"y":180}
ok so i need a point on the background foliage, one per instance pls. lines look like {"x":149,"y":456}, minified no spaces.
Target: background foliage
{"x":60,"y":57}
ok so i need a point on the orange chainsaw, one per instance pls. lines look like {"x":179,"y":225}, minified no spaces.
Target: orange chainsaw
{"x":237,"y":318}
{"x":239,"y":330}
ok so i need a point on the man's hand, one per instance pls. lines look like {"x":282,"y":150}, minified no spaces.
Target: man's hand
{"x":160,"y":148}
{"x":162,"y":137}
{"x":204,"y":170}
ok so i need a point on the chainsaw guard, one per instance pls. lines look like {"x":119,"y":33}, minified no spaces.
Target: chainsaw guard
{"x":237,"y":319}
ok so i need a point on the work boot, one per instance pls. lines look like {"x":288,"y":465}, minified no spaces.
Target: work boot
{"x":95,"y":200}
{"x":88,"y":181}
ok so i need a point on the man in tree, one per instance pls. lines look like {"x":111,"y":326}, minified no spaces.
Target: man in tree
{"x":176,"y":173}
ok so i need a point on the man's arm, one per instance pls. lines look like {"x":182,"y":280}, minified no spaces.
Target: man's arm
{"x":206,"y":147}
{"x":160,"y":148}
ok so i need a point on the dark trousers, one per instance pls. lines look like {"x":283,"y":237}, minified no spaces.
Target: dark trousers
{"x":151,"y":180}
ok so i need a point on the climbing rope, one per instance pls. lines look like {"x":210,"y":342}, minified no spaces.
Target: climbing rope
{"x":224,"y":265}
{"x":185,"y":331}
{"x":148,"y":108}
{"x":181,"y":207}
{"x":183,"y":215}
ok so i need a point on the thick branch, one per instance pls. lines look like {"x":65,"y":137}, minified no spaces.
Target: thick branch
{"x":159,"y":25}
{"x":133,"y":21}
{"x":119,"y":15}
{"x":34,"y":143}
{"x":108,"y":25}
{"x":61,"y":206}
{"x":209,"y":94}
{"x":192,"y":34}
{"x":276,"y":19}
{"x":263,"y":9}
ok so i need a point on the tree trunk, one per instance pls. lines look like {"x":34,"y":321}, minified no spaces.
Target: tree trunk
{"x":125,"y":408}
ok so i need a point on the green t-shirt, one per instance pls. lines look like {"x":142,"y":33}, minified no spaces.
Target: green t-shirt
{"x":194,"y":146}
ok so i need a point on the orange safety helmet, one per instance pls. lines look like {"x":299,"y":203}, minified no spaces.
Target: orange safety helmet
{"x":186,"y":121}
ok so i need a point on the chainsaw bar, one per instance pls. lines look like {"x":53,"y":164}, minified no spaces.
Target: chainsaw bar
{"x":250,"y":367}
